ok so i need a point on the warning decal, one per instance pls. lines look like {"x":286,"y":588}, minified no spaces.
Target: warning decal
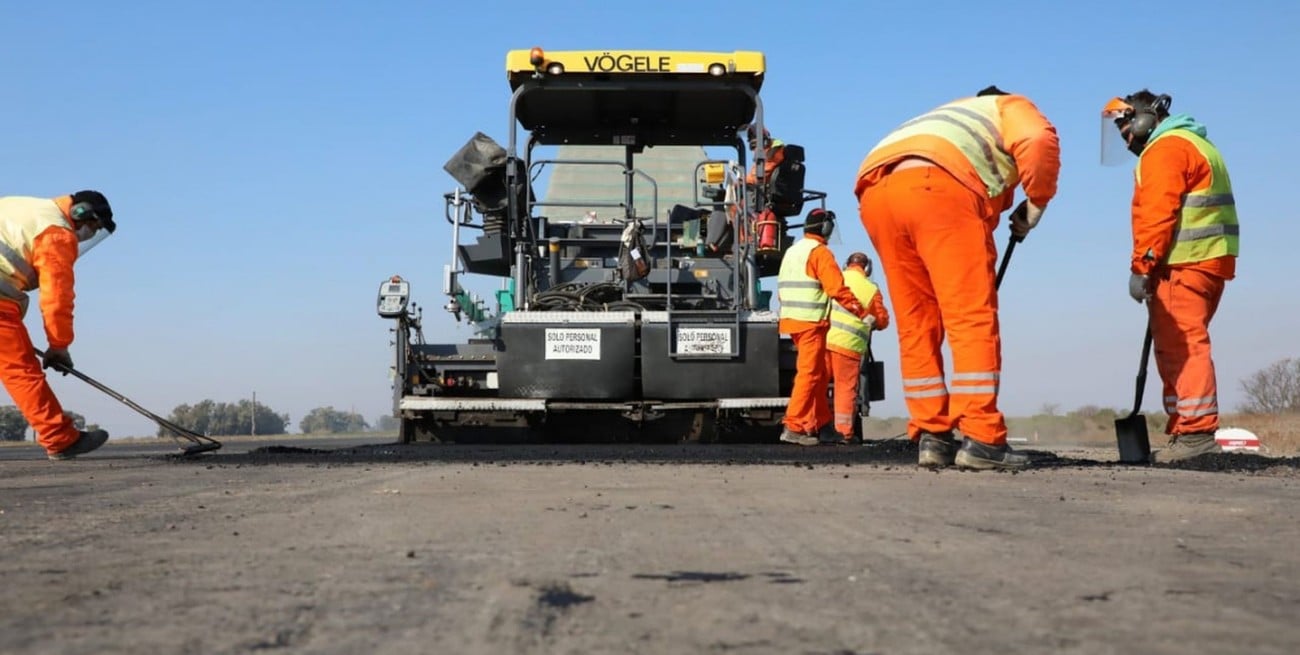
{"x":703,"y":341}
{"x":573,"y":343}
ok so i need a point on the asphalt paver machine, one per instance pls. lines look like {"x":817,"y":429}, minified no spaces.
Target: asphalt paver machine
{"x":628,"y":303}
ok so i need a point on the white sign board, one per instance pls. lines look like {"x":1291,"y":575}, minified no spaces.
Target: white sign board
{"x":703,"y":341}
{"x":1237,"y":439}
{"x":573,"y":343}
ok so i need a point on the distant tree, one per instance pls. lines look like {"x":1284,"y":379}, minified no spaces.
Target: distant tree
{"x":13,"y":427}
{"x":386,"y":423}
{"x":1274,"y":389}
{"x":223,"y":419}
{"x":1049,"y":409}
{"x":328,"y":419}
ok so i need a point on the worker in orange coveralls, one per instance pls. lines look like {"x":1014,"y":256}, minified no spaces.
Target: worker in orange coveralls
{"x":848,"y":340}
{"x":929,"y":195}
{"x":808,"y":281}
{"x":40,"y":239}
{"x":767,"y":225}
{"x":1185,"y":244}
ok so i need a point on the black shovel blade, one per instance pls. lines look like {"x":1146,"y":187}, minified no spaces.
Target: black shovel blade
{"x":198,"y":448}
{"x":1134,"y":443}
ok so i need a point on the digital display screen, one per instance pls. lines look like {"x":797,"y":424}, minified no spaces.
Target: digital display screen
{"x":394,"y":288}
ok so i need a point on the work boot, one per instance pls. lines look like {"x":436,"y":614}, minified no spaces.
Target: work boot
{"x":1187,"y":446}
{"x":799,"y":438}
{"x":850,"y":440}
{"x":827,"y":436}
{"x":983,"y":457}
{"x":86,"y":442}
{"x":936,"y":450}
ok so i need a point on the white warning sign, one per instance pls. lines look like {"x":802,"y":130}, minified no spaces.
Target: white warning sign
{"x":573,"y":343}
{"x":703,"y":341}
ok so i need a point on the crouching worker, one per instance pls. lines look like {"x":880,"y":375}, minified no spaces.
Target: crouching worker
{"x":40,"y":239}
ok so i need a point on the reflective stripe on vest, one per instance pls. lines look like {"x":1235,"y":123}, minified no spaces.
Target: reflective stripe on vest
{"x":17,"y":268}
{"x":802,"y":297}
{"x":848,"y":331}
{"x":1207,"y":219}
{"x":22,"y":219}
{"x":974,"y":126}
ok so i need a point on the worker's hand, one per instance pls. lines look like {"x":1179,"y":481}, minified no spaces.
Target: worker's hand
{"x":1024,"y":218}
{"x":1139,"y":287}
{"x":870,"y":322}
{"x":59,"y":359}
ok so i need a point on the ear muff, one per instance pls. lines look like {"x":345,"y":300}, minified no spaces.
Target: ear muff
{"x":823,"y":221}
{"x":1146,"y":116}
{"x":83,"y":211}
{"x":88,"y":210}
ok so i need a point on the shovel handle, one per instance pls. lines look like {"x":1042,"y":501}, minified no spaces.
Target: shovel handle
{"x":1006,"y":259}
{"x":1142,"y":370}
{"x":1018,"y":212}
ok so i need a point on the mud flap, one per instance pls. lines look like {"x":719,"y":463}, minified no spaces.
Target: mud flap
{"x":873,"y":374}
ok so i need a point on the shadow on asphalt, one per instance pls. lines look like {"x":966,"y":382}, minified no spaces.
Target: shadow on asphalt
{"x":885,"y":454}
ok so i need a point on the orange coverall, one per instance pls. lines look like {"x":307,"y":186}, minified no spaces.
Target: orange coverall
{"x":845,"y":366}
{"x":809,"y":408}
{"x":53,"y":253}
{"x":931,"y":220}
{"x":1185,"y":296}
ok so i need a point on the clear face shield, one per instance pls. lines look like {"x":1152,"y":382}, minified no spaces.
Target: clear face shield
{"x":89,"y":235}
{"x":834,"y":238}
{"x":1115,"y":119}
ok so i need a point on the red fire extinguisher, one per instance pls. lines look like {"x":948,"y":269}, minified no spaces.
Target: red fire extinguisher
{"x":768,"y":229}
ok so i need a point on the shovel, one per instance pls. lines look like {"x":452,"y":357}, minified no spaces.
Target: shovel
{"x":1131,"y":431}
{"x":198,"y":443}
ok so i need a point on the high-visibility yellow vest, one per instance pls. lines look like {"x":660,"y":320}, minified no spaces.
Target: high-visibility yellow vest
{"x":22,"y":219}
{"x":848,"y":331}
{"x":802,"y":297}
{"x":1207,"y":219}
{"x":974,"y":126}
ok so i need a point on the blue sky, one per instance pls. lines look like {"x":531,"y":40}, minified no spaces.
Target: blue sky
{"x":271,"y":162}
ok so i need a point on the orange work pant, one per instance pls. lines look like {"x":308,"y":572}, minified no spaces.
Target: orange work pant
{"x":23,"y":378}
{"x":844,"y":371}
{"x":1181,"y":307}
{"x":809,"y":408}
{"x":937,"y":250}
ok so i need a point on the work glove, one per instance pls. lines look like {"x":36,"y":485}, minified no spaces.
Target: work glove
{"x":1139,"y":288}
{"x":58,"y":359}
{"x":870,"y":322}
{"x":1024,"y":218}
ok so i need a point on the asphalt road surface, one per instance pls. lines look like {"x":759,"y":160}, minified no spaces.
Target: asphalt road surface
{"x":364,"y":547}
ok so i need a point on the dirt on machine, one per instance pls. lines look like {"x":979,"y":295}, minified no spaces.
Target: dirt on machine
{"x":616,"y":232}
